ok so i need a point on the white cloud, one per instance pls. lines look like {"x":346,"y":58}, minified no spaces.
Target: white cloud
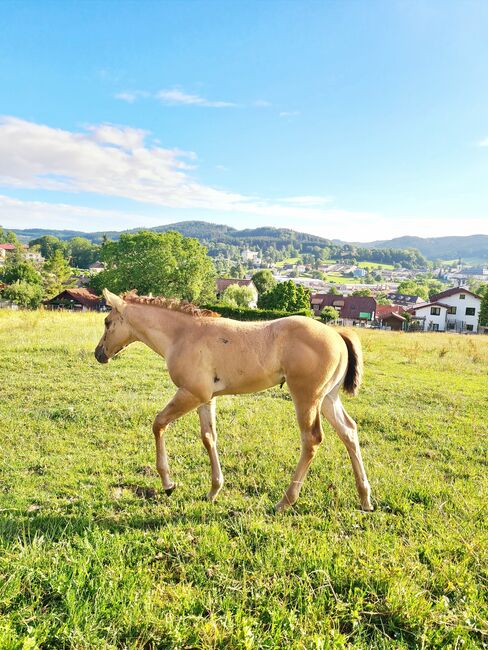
{"x":122,"y":162}
{"x":307,"y":200}
{"x":175,"y":96}
{"x":262,"y":103}
{"x":130,"y":96}
{"x":483,"y":143}
{"x":289,"y":113}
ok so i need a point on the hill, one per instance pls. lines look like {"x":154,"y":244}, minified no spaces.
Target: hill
{"x":472,"y":247}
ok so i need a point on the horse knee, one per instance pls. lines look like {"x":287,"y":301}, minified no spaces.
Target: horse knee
{"x":208,"y":439}
{"x":160,"y":423}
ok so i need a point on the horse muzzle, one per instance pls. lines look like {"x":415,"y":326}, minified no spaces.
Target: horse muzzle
{"x":100,"y":355}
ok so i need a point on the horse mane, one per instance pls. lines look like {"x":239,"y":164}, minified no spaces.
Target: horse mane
{"x":183,"y":306}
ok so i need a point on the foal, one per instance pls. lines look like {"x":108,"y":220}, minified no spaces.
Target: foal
{"x":208,"y":356}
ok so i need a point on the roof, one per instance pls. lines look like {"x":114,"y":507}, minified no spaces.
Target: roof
{"x":383,"y":311}
{"x":433,"y":303}
{"x":403,"y":297}
{"x":84,"y":296}
{"x":395,"y":315}
{"x":223,"y":283}
{"x":7,"y":247}
{"x":452,"y":292}
{"x":97,"y":265}
{"x":349,"y":306}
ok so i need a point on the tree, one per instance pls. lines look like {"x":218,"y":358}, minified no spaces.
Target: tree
{"x":238,"y":271}
{"x":48,"y":245}
{"x":24,"y":294}
{"x":8,"y":237}
{"x":483,"y":318}
{"x":287,"y":296}
{"x":237,"y":296}
{"x":333,"y":292}
{"x":329,"y":314}
{"x":56,"y":272}
{"x":382,"y":299}
{"x":362,"y":292}
{"x":411,"y":288}
{"x":264,"y":281}
{"x":166,"y":264}
{"x":83,"y":252}
{"x":22,"y":271}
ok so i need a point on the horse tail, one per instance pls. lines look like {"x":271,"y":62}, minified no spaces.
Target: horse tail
{"x":354,"y":372}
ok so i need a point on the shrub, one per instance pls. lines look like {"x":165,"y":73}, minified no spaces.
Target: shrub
{"x":243,"y":313}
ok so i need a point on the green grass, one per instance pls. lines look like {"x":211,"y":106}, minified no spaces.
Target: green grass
{"x":93,"y":555}
{"x":375,"y":265}
{"x":288,"y":260}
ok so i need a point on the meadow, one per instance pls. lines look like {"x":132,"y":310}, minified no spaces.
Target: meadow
{"x":94,"y":555}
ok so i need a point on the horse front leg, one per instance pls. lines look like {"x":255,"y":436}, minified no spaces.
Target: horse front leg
{"x":206,"y":413}
{"x":182,"y":403}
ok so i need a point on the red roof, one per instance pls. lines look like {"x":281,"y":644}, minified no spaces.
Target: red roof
{"x":83,"y":296}
{"x":383,"y":311}
{"x":7,"y":247}
{"x":223,"y":283}
{"x":453,"y":292}
{"x":349,"y":306}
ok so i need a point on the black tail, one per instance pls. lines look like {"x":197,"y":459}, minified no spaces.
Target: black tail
{"x":354,"y":373}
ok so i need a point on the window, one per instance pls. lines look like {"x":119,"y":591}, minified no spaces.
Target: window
{"x":470,"y":311}
{"x":462,"y":296}
{"x":469,"y":328}
{"x":435,"y":327}
{"x":451,"y":310}
{"x":451,"y":325}
{"x":435,"y":311}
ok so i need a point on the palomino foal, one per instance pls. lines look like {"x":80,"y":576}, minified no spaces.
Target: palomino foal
{"x":209,"y":356}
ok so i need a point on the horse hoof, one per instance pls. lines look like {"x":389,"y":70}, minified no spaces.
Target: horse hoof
{"x":169,"y":490}
{"x":367,"y":508}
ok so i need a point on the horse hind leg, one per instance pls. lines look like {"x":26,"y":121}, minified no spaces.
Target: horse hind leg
{"x":311,"y":436}
{"x":346,"y":429}
{"x":208,"y":430}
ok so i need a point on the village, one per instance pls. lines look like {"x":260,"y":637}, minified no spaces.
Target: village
{"x":358,"y":295}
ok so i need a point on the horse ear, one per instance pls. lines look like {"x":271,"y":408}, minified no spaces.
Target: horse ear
{"x":116,"y":302}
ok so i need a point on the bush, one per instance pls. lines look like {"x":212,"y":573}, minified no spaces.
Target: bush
{"x":24,"y":294}
{"x":243,"y":313}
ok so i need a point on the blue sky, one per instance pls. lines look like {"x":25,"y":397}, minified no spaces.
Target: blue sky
{"x":353,"y":120}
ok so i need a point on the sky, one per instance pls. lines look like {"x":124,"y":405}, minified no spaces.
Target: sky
{"x":356,"y":120}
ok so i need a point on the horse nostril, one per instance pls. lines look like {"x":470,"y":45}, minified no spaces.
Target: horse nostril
{"x":100,"y":355}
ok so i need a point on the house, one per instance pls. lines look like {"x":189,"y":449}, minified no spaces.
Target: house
{"x":79,"y":299}
{"x":251,"y":256}
{"x":432,"y":316}
{"x":5,"y":249}
{"x":463,"y":309}
{"x":390,"y":316}
{"x":353,"y":310}
{"x":96,"y":267}
{"x":359,"y":273}
{"x":223,"y":283}
{"x":404,"y":300}
{"x":33,"y":255}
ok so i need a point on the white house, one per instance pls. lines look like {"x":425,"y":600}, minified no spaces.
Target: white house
{"x":431,"y":315}
{"x":251,"y":256}
{"x":464,"y":309}
{"x":453,"y":310}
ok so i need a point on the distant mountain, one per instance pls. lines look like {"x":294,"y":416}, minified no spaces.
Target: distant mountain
{"x":469,"y":248}
{"x":201,"y":230}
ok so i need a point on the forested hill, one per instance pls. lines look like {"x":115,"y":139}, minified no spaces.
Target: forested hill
{"x":201,"y":230}
{"x":468,"y":247}
{"x":473,"y":247}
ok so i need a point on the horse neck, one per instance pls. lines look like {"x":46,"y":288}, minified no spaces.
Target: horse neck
{"x":157,"y":327}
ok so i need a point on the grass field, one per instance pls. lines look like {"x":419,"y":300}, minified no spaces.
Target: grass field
{"x":375,"y":265}
{"x":93,"y":555}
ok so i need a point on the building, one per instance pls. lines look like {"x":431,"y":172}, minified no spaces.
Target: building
{"x":353,"y":310}
{"x":223,"y":283}
{"x":431,"y":316}
{"x":251,"y":256}
{"x":359,"y":273}
{"x":404,"y":300}
{"x":5,"y":249}
{"x":390,"y":317}
{"x":463,"y":309}
{"x":96,"y":267}
{"x":79,"y":299}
